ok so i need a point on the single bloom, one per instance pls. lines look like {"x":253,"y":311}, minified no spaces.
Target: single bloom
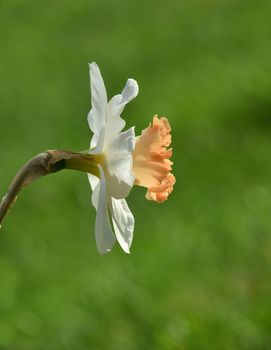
{"x":123,"y":160}
{"x":115,"y":162}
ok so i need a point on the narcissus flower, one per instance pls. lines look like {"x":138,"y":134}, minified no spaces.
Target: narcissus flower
{"x":125,"y":161}
{"x":115,"y":161}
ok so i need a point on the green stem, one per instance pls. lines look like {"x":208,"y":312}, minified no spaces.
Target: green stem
{"x":47,"y":163}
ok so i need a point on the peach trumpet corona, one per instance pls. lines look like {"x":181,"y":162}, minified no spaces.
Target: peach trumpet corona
{"x":151,"y":160}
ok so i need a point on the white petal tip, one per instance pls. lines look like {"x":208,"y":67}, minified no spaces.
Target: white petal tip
{"x":103,"y":252}
{"x":94,"y":68}
{"x":93,"y":64}
{"x":131,"y":83}
{"x":124,"y":245}
{"x":126,"y":250}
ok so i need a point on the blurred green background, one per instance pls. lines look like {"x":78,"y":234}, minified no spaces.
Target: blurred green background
{"x":198,"y":276}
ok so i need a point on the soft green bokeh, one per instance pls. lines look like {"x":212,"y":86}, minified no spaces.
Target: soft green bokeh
{"x":198,"y":276}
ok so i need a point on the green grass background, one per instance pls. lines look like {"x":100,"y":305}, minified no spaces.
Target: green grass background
{"x":198,"y":276}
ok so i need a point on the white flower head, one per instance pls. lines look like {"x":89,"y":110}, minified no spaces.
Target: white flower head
{"x":115,"y":161}
{"x":116,"y":175}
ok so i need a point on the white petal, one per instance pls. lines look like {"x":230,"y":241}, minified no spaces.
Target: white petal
{"x":97,"y":142}
{"x":94,"y":182}
{"x":114,"y":126}
{"x":98,"y":114}
{"x":118,"y":102}
{"x":123,"y":222}
{"x":115,"y":123}
{"x":119,"y":175}
{"x":105,"y":238}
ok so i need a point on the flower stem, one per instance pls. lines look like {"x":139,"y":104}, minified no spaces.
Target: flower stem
{"x":47,"y":163}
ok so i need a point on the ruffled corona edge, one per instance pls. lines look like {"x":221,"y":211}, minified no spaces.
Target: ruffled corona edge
{"x":151,"y":160}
